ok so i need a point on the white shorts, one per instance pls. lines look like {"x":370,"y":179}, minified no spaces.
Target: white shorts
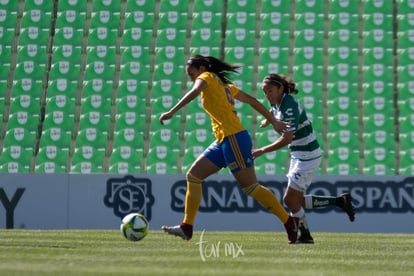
{"x":301,"y":173}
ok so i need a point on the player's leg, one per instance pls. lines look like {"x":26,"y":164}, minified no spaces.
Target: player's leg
{"x":200,"y":169}
{"x":240,"y":161}
{"x":343,"y":201}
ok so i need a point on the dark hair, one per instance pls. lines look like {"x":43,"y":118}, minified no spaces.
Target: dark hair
{"x":214,"y":65}
{"x":281,"y":80}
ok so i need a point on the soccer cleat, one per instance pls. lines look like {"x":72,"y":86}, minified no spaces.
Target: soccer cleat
{"x":344,"y":201}
{"x":291,"y":227}
{"x":305,"y":238}
{"x":184,"y":231}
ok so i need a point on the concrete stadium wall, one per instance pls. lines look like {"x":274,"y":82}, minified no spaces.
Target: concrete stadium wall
{"x":99,"y":201}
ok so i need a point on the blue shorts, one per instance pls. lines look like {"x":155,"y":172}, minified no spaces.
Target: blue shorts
{"x":234,"y":152}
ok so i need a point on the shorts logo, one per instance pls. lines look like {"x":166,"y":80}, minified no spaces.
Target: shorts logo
{"x":129,"y":194}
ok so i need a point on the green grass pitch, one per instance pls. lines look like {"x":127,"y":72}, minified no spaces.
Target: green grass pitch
{"x":107,"y":252}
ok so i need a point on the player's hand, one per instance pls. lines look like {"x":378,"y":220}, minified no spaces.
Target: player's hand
{"x":281,"y":126}
{"x":165,"y":116}
{"x":257,"y":152}
{"x":264,"y":123}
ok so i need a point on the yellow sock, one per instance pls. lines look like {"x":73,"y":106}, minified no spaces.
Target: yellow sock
{"x":268,"y":200}
{"x":192,"y":198}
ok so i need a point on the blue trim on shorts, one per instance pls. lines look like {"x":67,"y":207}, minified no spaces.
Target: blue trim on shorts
{"x":234,"y":152}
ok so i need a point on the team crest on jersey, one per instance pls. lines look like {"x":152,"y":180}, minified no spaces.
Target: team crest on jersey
{"x":128,"y":195}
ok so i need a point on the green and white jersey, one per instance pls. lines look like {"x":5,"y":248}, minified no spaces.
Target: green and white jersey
{"x":304,"y":145}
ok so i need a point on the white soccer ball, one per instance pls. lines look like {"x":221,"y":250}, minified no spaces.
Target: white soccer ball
{"x":134,"y":227}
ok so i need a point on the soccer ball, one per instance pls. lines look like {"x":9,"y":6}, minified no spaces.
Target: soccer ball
{"x":134,"y":227}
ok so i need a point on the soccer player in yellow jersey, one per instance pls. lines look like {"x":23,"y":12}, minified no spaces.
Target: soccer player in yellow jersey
{"x":232,"y":147}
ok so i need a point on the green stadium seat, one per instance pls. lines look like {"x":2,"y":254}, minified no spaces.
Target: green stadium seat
{"x":372,"y":38}
{"x":86,"y":167}
{"x":196,"y":120}
{"x":95,"y":119}
{"x":407,"y":161}
{"x":310,"y":20}
{"x":405,"y":56}
{"x":105,"y":18}
{"x":38,"y":4}
{"x":97,"y":87}
{"x":125,"y":159}
{"x":8,"y":18}
{"x":379,"y":138}
{"x":10,"y":5}
{"x":343,"y":155}
{"x":406,"y":106}
{"x":136,"y":36}
{"x":379,"y":161}
{"x":32,"y":52}
{"x":135,"y":70}
{"x":5,"y":72}
{"x":377,"y":87}
{"x":378,"y":6}
{"x":405,"y":73}
{"x":131,"y":103}
{"x":205,"y":51}
{"x":106,"y":5}
{"x":59,"y":119}
{"x":102,"y":36}
{"x":204,"y":36}
{"x":131,"y":87}
{"x":29,"y":69}
{"x":207,"y":19}
{"x":240,"y":55}
{"x":170,"y":53}
{"x":128,"y":119}
{"x":102,"y":53}
{"x":172,"y":19}
{"x":174,"y":5}
{"x":274,"y":54}
{"x":140,"y":5}
{"x":215,"y":6}
{"x":378,"y":121}
{"x":34,"y":35}
{"x":341,"y":104}
{"x":162,"y":160}
{"x":24,"y":119}
{"x":274,"y":36}
{"x":270,"y":168}
{"x":271,"y":5}
{"x":71,"y":17}
{"x":343,"y":71}
{"x":25,"y":103}
{"x":56,"y":136}
{"x":99,"y":70}
{"x":241,"y":19}
{"x":139,"y":53}
{"x":342,"y":54}
{"x":308,"y":54}
{"x":241,"y":5}
{"x":139,"y":18}
{"x":378,"y":20}
{"x":343,"y":20}
{"x":169,"y":71}
{"x":165,"y":137}
{"x":62,"y":86}
{"x":378,"y":71}
{"x":343,"y":138}
{"x":343,"y":37}
{"x":20,"y":136}
{"x":88,"y":153}
{"x":303,"y":6}
{"x":16,"y":153}
{"x":343,"y":120}
{"x":378,"y":104}
{"x":336,"y":6}
{"x":240,"y":37}
{"x":50,"y":167}
{"x":275,"y":18}
{"x":162,"y":104}
{"x":7,"y":36}
{"x":76,"y":5}
{"x":96,"y":103}
{"x":342,"y":169}
{"x":68,"y":36}
{"x":171,"y":36}
{"x":308,"y":70}
{"x":36,"y":17}
{"x":129,"y":137}
{"x":65,"y":69}
{"x":200,"y":136}
{"x":52,"y":153}
{"x":14,"y":167}
{"x":309,"y":37}
{"x":91,"y":136}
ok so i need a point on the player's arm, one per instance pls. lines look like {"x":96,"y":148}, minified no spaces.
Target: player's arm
{"x":279,"y":126}
{"x":284,"y":140}
{"x":198,"y":86}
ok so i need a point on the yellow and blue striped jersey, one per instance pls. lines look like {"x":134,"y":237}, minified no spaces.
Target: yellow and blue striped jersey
{"x":218,"y":101}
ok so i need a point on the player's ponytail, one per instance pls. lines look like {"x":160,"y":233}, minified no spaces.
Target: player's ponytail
{"x":214,"y":65}
{"x":280,"y":80}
